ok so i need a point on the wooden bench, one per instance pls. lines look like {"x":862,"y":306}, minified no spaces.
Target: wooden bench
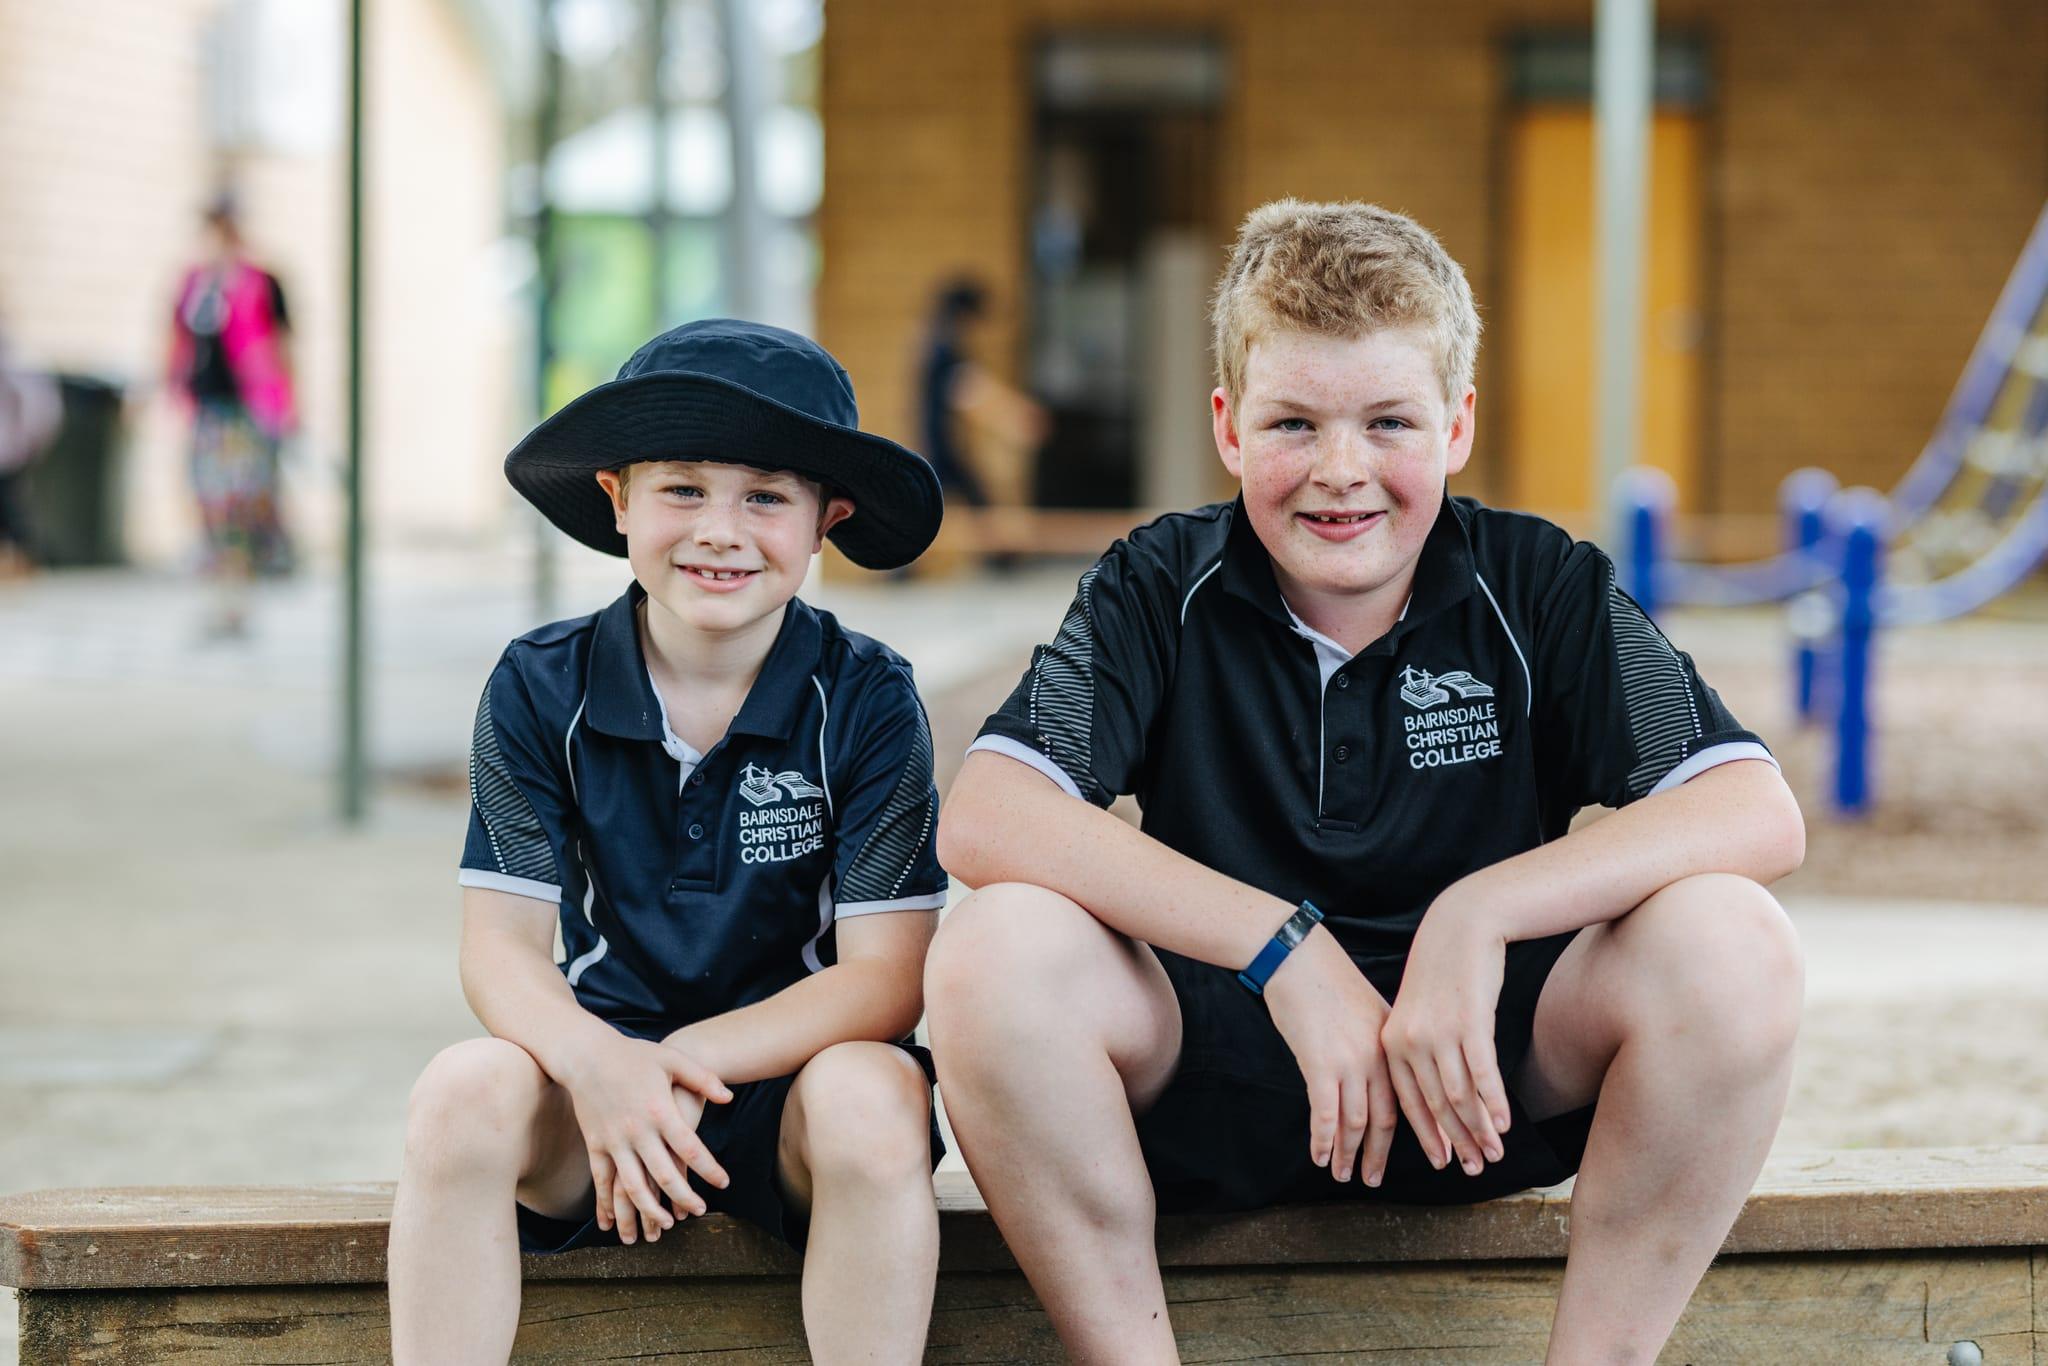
{"x":1849,"y":1257}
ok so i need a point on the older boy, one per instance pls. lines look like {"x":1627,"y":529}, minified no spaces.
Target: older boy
{"x":721,"y":801}
{"x":1354,"y":936}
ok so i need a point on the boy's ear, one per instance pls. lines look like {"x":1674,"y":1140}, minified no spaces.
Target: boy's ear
{"x":615,"y":489}
{"x":1459,"y":448}
{"x":1224,"y":422}
{"x":837,"y":509}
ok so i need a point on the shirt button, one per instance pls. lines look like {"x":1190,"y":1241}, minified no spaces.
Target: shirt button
{"x":696,"y":832}
{"x":1343,"y":680}
{"x":1343,"y":753}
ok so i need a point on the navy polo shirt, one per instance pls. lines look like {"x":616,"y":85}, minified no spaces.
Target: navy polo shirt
{"x":1519,"y":685}
{"x":692,"y":885}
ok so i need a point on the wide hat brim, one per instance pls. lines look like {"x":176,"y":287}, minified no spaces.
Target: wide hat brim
{"x":683,"y":415}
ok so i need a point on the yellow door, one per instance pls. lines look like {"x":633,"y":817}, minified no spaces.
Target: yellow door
{"x":1549,"y":310}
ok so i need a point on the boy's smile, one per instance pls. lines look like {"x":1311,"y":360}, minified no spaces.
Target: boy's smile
{"x":1342,"y":446}
{"x":719,"y":546}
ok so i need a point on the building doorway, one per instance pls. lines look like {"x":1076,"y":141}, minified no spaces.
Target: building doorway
{"x":1549,"y":277}
{"x":1123,"y":243}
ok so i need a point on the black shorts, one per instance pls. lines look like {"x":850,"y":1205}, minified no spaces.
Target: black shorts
{"x":1230,"y":1132}
{"x":743,"y":1135}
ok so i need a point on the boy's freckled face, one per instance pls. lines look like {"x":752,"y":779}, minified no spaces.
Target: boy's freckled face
{"x":1342,"y":446}
{"x":720,"y":546}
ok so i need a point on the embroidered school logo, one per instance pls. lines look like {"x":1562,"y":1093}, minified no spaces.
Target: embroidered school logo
{"x":1455,"y":735}
{"x":761,"y":787}
{"x":794,"y":825}
{"x":1421,"y":688}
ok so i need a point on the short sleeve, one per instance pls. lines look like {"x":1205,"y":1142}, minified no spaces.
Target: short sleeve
{"x":1084,"y":709}
{"x":886,"y":806}
{"x":520,"y":807}
{"x":1621,"y":712}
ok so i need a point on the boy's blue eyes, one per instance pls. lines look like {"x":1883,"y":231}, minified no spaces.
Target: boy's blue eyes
{"x":1293,"y":425}
{"x":689,"y":490}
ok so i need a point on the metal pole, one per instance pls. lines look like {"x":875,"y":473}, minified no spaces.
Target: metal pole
{"x":354,"y":775}
{"x":746,"y":227}
{"x":657,"y":179}
{"x":547,"y":131}
{"x":1623,"y":56}
{"x":1859,"y":517}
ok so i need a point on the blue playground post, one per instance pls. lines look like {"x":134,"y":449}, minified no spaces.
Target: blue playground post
{"x":1857,"y":518}
{"x":1647,"y":497}
{"x":1802,"y":502}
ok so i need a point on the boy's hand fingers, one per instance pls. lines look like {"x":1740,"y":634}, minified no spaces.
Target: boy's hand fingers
{"x":686,"y":1071}
{"x":623,"y":1221}
{"x":683,"y":1201}
{"x":1384,"y":1110}
{"x":1461,"y":1093}
{"x":1493,"y":1092}
{"x":1322,"y":1120}
{"x":641,"y":1199}
{"x":1354,"y":1109}
{"x":687,"y":1145}
{"x":1434,"y":1146}
{"x":1431,"y":1083}
{"x":601,"y":1182}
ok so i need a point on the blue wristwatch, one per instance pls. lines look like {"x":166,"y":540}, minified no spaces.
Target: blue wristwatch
{"x":1284,"y":942}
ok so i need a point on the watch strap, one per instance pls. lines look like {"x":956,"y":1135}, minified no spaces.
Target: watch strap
{"x":1284,"y":941}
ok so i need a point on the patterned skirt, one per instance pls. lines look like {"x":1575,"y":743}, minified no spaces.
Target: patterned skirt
{"x":235,"y":478}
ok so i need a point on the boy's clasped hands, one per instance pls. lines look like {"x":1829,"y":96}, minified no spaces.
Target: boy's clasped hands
{"x":638,"y":1104}
{"x":1429,"y":1056}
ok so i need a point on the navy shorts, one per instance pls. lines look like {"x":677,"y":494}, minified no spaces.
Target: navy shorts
{"x":1230,"y":1132}
{"x":743,"y":1135}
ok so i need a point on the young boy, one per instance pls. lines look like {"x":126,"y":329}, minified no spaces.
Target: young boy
{"x":1354,"y":951}
{"x":721,"y":801}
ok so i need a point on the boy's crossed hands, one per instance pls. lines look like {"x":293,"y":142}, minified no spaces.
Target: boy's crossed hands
{"x":638,"y":1104}
{"x":1430,"y":1056}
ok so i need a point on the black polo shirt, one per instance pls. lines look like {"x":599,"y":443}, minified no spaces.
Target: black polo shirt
{"x":1519,"y":685}
{"x":691,"y":885}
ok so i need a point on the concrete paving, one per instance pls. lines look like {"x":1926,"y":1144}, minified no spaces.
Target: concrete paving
{"x":208,"y":980}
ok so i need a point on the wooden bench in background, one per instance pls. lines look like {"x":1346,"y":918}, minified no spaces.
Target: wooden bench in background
{"x":1850,"y":1257}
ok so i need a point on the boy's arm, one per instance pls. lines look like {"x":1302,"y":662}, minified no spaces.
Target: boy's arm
{"x":621,"y":1088}
{"x":1739,"y":817}
{"x":1006,"y":822}
{"x":875,"y":991}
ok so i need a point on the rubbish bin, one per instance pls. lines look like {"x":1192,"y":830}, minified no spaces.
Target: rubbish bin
{"x":75,"y":489}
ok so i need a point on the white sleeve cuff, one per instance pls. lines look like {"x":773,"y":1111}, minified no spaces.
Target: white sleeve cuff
{"x":517,"y":886}
{"x":1025,"y":754}
{"x":1713,"y":757}
{"x":931,"y":901}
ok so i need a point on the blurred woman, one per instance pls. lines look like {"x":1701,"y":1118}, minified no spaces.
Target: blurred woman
{"x":229,"y":359}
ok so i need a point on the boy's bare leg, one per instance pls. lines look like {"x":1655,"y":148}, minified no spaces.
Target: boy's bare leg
{"x":485,"y":1127}
{"x":1689,"y":1004}
{"x":1050,"y":1031}
{"x":855,"y":1152}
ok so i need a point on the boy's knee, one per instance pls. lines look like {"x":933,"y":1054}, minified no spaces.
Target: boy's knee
{"x":1008,"y":933}
{"x":1724,"y":960}
{"x":866,"y":1116}
{"x":473,"y":1103}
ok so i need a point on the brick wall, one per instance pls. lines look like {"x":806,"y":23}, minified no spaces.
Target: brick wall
{"x":1873,"y":170}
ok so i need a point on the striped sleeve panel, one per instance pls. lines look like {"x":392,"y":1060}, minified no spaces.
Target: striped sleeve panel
{"x":897,"y":843}
{"x":522,"y":857}
{"x":1673,"y":717}
{"x":1062,"y":693}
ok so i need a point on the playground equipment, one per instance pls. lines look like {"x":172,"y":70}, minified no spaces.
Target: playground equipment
{"x":1966,"y":525}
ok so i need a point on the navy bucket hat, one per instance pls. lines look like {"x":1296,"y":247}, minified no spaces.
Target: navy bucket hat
{"x":740,"y":393}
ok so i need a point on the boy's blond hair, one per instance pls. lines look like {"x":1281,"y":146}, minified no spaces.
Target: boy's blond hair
{"x":1341,"y":270}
